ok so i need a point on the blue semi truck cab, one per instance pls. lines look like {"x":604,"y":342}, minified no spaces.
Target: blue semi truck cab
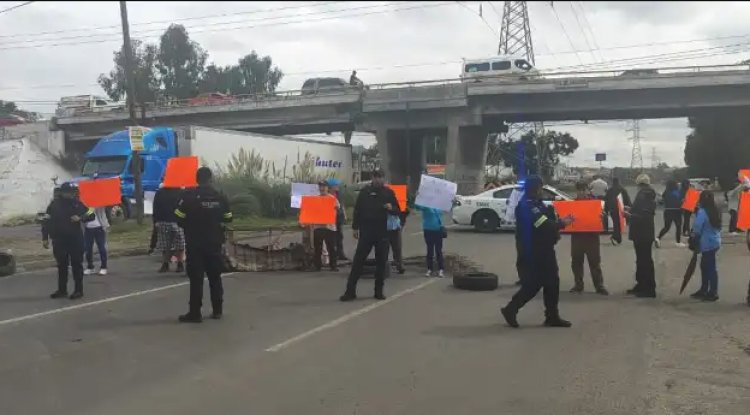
{"x":112,"y":156}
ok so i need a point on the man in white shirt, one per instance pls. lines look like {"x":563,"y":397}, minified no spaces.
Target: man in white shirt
{"x":95,"y":232}
{"x":598,"y":188}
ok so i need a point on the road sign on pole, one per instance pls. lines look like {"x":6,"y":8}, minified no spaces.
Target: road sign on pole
{"x":136,"y":137}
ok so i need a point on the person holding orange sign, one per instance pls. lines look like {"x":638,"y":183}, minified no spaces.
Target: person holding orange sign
{"x":586,"y":245}
{"x":325,"y":234}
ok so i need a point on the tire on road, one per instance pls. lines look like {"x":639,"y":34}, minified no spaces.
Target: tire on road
{"x":486,"y":221}
{"x":475,"y":281}
{"x":7,"y":263}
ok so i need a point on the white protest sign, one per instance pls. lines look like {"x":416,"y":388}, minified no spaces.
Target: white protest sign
{"x":303,"y":189}
{"x":148,"y":203}
{"x":136,"y":137}
{"x":436,"y":193}
{"x":510,"y":209}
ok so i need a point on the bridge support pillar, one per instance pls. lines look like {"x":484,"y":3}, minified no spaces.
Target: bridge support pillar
{"x":466,"y":156}
{"x":402,"y":155}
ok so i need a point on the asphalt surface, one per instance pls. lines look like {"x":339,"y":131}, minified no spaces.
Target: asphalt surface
{"x":287,"y":346}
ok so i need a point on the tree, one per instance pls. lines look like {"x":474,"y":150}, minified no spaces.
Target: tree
{"x":718,"y":145}
{"x":226,"y":80}
{"x":553,"y":145}
{"x":147,"y":78}
{"x":258,"y":75}
{"x":7,"y":107}
{"x":181,"y":62}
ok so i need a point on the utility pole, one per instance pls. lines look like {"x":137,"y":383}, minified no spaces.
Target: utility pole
{"x":515,"y":40}
{"x":636,"y":158}
{"x":130,"y":79}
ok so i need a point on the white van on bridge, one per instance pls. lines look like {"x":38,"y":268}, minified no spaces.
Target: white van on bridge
{"x":498,"y":69}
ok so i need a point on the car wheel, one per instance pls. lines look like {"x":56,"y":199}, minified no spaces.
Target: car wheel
{"x":475,"y":281}
{"x":486,"y":221}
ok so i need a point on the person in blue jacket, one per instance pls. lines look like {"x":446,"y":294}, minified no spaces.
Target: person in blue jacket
{"x":707,"y":232}
{"x":672,"y":198}
{"x":432,"y":228}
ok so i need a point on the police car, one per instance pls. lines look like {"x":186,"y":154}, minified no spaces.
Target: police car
{"x":486,"y":211}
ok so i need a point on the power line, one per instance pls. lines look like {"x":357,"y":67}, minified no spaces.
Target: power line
{"x":591,"y":28}
{"x":562,"y":26}
{"x":225,"y":29}
{"x":481,"y":17}
{"x":117,"y":26}
{"x":15,"y":7}
{"x":101,"y":36}
{"x":583,"y":32}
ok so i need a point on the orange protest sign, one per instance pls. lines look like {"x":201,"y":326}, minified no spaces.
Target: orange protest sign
{"x":317,"y":210}
{"x":181,"y":172}
{"x":691,"y":200}
{"x":743,"y":174}
{"x":400,"y":191}
{"x":100,"y":192}
{"x":587,"y":213}
{"x":743,"y":214}
{"x":621,"y":211}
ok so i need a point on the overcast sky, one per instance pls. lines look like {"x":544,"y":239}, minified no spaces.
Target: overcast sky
{"x":52,"y":49}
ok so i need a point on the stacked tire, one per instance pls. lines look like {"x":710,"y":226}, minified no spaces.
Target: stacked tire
{"x":7,"y":263}
{"x":475,"y":281}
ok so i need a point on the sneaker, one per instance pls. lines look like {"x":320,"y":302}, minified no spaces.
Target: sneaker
{"x":576,"y":289}
{"x":441,"y":274}
{"x":190,"y":318}
{"x":557,"y":322}
{"x":681,"y":244}
{"x":710,"y":297}
{"x":58,"y":294}
{"x":88,"y":271}
{"x":602,"y":291}
{"x":698,"y":295}
{"x":103,"y":271}
{"x":510,"y":317}
{"x":657,"y":242}
{"x":379,"y":296}
{"x":428,"y":273}
{"x":217,"y":315}
{"x":76,"y":295}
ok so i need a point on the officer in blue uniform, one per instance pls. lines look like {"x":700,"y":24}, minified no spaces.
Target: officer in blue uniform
{"x":537,"y":233}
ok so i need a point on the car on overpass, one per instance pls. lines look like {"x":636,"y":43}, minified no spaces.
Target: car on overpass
{"x":486,"y":211}
{"x":314,"y":86}
{"x":498,"y":69}
{"x":211,"y":98}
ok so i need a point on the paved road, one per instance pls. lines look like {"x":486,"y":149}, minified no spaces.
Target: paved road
{"x":287,"y":346}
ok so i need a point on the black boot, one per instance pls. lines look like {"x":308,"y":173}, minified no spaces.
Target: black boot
{"x":164,"y":267}
{"x":59,"y":294}
{"x":510,"y":317}
{"x":553,"y":320}
{"x":379,"y":295}
{"x":191,"y":317}
{"x":76,"y":295}
{"x":577,"y":289}
{"x":698,"y":295}
{"x":348,"y":297}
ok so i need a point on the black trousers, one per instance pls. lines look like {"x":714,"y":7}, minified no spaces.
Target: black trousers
{"x":520,"y":265}
{"x":614,"y":213}
{"x":328,"y":236}
{"x":644,"y":267}
{"x":205,"y":261}
{"x":543,"y":276}
{"x":672,"y":216}
{"x":340,"y":239}
{"x":394,"y":241}
{"x":365,"y":244}
{"x":69,"y":252}
{"x":732,"y":220}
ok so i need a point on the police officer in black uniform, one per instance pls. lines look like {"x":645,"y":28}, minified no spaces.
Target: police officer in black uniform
{"x":62,"y":223}
{"x":370,"y":224}
{"x":202,"y":212}
{"x":537,"y":232}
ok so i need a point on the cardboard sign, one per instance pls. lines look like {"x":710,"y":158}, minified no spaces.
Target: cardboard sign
{"x":587,"y":213}
{"x":181,"y":172}
{"x":743,"y":175}
{"x":436,"y":193}
{"x":743,"y":214}
{"x":400,"y":191}
{"x":621,"y":211}
{"x":148,"y":203}
{"x":302,"y":189}
{"x":691,"y":200}
{"x":318,"y":210}
{"x":100,"y":192}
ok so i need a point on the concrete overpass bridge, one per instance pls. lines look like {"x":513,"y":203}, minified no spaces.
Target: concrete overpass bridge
{"x":403,"y":115}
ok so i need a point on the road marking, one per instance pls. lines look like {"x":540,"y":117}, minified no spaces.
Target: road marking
{"x":94,"y":303}
{"x":343,"y":319}
{"x":416,"y":233}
